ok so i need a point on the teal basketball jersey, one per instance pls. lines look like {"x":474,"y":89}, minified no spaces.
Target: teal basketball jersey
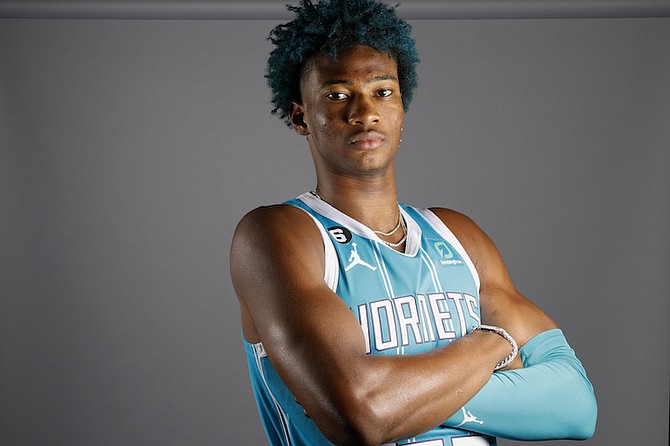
{"x":406,"y":302}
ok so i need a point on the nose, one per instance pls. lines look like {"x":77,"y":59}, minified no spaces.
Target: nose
{"x":362,"y":111}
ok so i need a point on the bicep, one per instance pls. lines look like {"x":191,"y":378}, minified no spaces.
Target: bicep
{"x":502,"y":304}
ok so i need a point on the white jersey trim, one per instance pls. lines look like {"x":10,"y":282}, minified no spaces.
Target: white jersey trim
{"x":412,"y":244}
{"x":331,"y":262}
{"x":449,"y":236}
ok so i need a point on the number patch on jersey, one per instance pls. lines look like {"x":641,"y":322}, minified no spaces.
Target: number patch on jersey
{"x":340,"y":234}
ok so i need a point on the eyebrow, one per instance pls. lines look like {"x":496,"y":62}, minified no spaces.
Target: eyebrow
{"x":369,"y":81}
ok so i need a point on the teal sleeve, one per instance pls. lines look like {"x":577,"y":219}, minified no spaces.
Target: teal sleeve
{"x":550,"y":398}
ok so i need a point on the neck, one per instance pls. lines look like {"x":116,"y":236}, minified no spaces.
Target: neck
{"x":371,"y":201}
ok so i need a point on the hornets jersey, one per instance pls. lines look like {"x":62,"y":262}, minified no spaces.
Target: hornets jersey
{"x":406,"y":302}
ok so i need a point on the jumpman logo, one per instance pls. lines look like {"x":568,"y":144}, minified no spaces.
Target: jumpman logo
{"x":468,"y":418}
{"x":355,"y":259}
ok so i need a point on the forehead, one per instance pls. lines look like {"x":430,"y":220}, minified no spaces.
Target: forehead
{"x":354,"y":63}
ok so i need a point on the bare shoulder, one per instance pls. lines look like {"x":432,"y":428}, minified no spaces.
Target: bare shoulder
{"x":472,"y":237}
{"x":269,"y":230}
{"x":479,"y":246}
{"x":275,"y":239}
{"x":270,"y":218}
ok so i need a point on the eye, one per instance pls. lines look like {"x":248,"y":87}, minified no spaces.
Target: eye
{"x":385,"y":92}
{"x":336,"y":96}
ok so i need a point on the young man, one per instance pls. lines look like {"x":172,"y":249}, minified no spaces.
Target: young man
{"x":367,"y":322}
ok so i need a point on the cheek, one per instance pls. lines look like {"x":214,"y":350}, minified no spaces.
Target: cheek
{"x":321,"y":122}
{"x":396,"y":119}
{"x":324,"y":126}
{"x":327,"y":117}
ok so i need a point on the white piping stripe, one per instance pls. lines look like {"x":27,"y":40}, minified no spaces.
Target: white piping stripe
{"x":433,"y":270}
{"x":387,"y":283}
{"x":432,"y":274}
{"x":282,"y":416}
{"x":382,"y":271}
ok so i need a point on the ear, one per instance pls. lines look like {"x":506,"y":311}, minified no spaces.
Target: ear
{"x":298,"y":119}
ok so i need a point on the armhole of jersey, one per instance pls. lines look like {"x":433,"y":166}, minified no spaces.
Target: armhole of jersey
{"x":449,"y":236}
{"x":331,"y":262}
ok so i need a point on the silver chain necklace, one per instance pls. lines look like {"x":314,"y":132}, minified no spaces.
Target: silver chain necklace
{"x":401,"y":224}
{"x":402,"y":240}
{"x":391,"y":232}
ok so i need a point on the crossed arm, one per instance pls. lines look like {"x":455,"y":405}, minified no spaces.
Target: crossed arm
{"x":316,"y":345}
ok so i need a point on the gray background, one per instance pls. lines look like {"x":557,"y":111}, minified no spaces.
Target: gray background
{"x":130,"y":149}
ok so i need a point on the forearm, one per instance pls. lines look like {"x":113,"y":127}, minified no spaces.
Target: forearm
{"x":379,"y":412}
{"x":550,"y":398}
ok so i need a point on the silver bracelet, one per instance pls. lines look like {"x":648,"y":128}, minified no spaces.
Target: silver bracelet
{"x":501,"y":331}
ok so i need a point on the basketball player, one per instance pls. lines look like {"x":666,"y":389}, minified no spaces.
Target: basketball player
{"x":369,"y":322}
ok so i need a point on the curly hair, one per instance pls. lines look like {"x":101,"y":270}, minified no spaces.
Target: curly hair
{"x":326,"y":28}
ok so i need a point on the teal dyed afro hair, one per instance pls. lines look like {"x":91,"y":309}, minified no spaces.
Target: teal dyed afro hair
{"x":326,"y":28}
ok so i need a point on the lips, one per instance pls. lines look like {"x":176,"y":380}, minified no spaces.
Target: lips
{"x":367,"y":140}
